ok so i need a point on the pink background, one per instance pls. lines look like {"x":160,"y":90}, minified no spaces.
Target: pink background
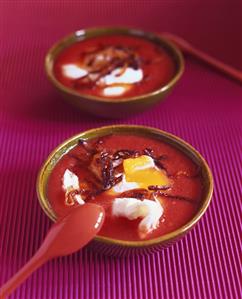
{"x":204,"y":109}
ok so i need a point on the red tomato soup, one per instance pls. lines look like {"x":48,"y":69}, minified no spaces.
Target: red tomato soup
{"x":147,"y":187}
{"x":114,"y":66}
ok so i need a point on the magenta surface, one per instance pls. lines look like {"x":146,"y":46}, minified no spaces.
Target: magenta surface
{"x":204,"y":109}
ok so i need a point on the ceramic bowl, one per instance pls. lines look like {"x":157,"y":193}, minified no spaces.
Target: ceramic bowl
{"x":119,"y":247}
{"x":113,"y":108}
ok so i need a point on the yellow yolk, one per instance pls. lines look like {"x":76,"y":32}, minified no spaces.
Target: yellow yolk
{"x":143,"y":171}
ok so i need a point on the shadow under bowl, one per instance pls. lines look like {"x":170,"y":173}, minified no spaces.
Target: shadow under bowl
{"x":111,"y":107}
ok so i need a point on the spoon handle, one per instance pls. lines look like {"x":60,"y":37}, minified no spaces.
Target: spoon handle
{"x":34,"y":263}
{"x":219,"y":65}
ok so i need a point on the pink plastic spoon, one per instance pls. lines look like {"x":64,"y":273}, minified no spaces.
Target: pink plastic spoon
{"x":66,"y":236}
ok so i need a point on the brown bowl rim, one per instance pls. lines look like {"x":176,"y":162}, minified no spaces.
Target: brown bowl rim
{"x":74,"y":37}
{"x":148,"y":131}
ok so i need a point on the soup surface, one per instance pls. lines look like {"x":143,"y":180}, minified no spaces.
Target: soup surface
{"x":147,"y":187}
{"x":114,"y":66}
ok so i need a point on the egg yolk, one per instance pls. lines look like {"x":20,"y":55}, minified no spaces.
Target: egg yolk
{"x":143,"y":171}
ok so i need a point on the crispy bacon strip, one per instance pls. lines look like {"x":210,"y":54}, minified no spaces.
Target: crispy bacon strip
{"x":136,"y":193}
{"x":113,"y":57}
{"x":149,"y":152}
{"x":125,"y":153}
{"x":107,"y":171}
{"x":70,"y":197}
{"x":157,"y":188}
{"x":107,"y":166}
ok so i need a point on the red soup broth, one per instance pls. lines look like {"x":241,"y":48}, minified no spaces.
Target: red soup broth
{"x":114,"y":66}
{"x":180,"y":202}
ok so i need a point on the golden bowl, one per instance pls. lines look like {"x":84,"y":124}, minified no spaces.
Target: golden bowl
{"x":120,"y":247}
{"x":113,"y":108}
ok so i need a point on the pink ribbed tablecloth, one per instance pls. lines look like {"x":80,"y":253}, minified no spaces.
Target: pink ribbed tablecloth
{"x":204,"y":109}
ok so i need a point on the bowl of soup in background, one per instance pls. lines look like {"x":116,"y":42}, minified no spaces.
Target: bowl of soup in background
{"x":180,"y":178}
{"x":114,"y":72}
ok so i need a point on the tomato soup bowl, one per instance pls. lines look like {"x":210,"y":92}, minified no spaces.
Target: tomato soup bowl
{"x":113,"y":107}
{"x":116,"y":247}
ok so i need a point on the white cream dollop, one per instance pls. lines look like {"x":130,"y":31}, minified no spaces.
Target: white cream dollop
{"x":121,"y":81}
{"x":133,"y":208}
{"x":73,"y":71}
{"x":70,"y":183}
{"x":70,"y":180}
{"x":129,"y":76}
{"x":115,"y":90}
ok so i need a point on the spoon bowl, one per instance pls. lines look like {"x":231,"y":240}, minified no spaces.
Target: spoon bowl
{"x":78,"y":228}
{"x":66,"y":236}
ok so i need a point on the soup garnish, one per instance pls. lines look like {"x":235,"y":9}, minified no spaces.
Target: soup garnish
{"x":147,"y":187}
{"x":114,"y":66}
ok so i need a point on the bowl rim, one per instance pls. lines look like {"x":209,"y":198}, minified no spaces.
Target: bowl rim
{"x":150,"y":131}
{"x":77,"y":36}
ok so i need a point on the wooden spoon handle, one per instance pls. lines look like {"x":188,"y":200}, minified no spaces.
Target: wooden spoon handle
{"x":189,"y":49}
{"x":34,"y":263}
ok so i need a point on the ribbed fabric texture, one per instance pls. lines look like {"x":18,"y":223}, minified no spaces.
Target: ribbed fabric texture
{"x":204,"y":109}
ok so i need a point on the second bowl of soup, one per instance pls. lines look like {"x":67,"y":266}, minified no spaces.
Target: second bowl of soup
{"x":113,"y":72}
